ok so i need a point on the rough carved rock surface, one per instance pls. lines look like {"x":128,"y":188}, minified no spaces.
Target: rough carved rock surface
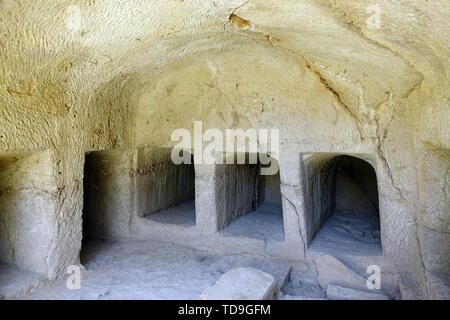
{"x":114,"y":76}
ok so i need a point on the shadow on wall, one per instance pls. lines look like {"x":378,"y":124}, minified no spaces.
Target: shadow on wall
{"x":355,"y":186}
{"x":107,"y":194}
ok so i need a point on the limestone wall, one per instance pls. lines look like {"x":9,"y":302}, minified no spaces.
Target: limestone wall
{"x":318,"y":178}
{"x":434,"y":197}
{"x":28,"y":209}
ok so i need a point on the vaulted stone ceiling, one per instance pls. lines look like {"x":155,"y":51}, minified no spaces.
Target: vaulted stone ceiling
{"x":115,"y":38}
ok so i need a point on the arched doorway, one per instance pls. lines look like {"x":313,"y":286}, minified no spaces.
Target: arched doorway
{"x":345,"y":207}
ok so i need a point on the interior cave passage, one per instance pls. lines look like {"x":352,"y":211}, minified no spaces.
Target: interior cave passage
{"x":346,"y":203}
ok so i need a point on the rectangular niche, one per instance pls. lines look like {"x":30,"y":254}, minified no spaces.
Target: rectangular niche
{"x":107,"y":194}
{"x":28,"y":196}
{"x":341,"y":201}
{"x":251,"y":203}
{"x":165,"y":191}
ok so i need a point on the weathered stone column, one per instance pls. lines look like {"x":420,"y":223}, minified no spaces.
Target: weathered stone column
{"x":292,"y":200}
{"x":206,"y":198}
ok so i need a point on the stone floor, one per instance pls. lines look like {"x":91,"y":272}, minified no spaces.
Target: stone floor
{"x":266,"y":222}
{"x":354,"y":239}
{"x":180,"y":214}
{"x":150,"y":270}
{"x":153,"y":269}
{"x":15,"y":282}
{"x":349,"y":232}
